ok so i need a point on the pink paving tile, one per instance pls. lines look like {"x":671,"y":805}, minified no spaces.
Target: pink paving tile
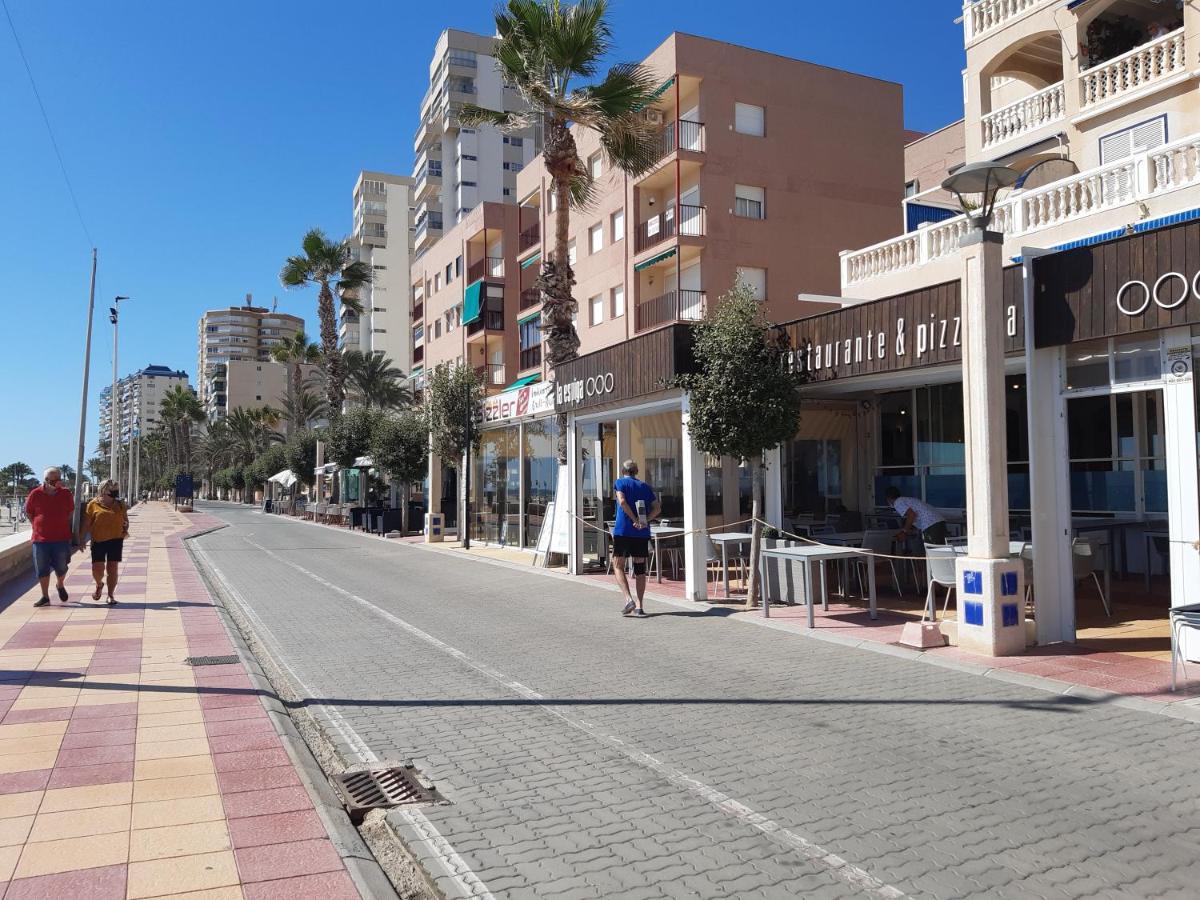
{"x":279,"y":828}
{"x":250,"y":759}
{"x":327,"y":886}
{"x":104,"y":883}
{"x":92,"y":756}
{"x":262,"y":803}
{"x":102,"y":773}
{"x":231,"y":713}
{"x":257,"y":779}
{"x":110,"y":738}
{"x":250,"y":725}
{"x":224,"y":701}
{"x":21,"y":716}
{"x":19,"y":782}
{"x":234,"y":743}
{"x":104,"y":711}
{"x":295,"y":858}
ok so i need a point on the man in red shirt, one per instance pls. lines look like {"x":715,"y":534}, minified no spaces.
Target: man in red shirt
{"x":48,"y":508}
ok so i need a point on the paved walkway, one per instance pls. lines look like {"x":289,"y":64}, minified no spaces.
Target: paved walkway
{"x":124,"y":772}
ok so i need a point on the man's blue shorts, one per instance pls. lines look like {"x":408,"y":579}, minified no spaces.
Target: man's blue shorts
{"x":51,"y":556}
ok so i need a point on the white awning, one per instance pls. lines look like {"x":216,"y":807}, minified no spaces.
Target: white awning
{"x":286,"y":478}
{"x":363,"y":462}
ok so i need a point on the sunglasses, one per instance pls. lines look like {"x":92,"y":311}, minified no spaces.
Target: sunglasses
{"x":53,"y":480}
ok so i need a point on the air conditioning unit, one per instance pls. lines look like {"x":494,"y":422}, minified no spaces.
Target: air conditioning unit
{"x":654,"y":116}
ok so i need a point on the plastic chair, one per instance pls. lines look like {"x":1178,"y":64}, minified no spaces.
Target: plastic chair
{"x":939,"y":561}
{"x":671,"y":550}
{"x":1182,"y":617}
{"x":1082,"y":567}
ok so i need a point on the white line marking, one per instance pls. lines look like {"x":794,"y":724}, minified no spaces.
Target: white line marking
{"x":838,"y":867}
{"x":455,"y":867}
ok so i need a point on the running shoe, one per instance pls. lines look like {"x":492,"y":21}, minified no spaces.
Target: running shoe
{"x":629,"y":607}
{"x":62,"y":594}
{"x":45,"y":601}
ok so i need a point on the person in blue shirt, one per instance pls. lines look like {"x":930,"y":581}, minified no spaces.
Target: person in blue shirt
{"x":631,"y":533}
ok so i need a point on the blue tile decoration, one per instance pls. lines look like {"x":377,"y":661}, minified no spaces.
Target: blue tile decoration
{"x":973,"y":612}
{"x":972,"y":582}
{"x":1008,"y":615}
{"x":1008,"y":584}
{"x":1138,"y":228}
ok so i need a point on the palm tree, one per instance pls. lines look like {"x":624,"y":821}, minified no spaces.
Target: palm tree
{"x":541,"y":47}
{"x":15,"y":474}
{"x":180,"y":411}
{"x":295,"y":352}
{"x":327,"y":262}
{"x":374,"y":381}
{"x":301,"y":410}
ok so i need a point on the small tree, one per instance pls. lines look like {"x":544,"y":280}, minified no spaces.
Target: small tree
{"x":452,"y":396}
{"x":744,"y":398}
{"x":350,"y":435}
{"x":300,"y":455}
{"x":400,"y":447}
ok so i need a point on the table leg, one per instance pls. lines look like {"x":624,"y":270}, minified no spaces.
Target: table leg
{"x":658,"y":558}
{"x":824,"y":587}
{"x":808,"y":594}
{"x":871,"y":588}
{"x":1146,"y":539}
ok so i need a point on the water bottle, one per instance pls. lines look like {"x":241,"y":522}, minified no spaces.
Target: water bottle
{"x":641,"y":512}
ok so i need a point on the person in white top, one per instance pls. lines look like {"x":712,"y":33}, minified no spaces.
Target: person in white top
{"x":917,"y":515}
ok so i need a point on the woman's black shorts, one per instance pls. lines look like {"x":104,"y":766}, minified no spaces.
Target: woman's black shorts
{"x":107,"y":551}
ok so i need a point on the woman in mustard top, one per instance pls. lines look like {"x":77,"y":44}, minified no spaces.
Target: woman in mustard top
{"x":107,"y":523}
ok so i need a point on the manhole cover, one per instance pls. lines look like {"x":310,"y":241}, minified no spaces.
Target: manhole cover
{"x":212,"y":660}
{"x":382,"y":789}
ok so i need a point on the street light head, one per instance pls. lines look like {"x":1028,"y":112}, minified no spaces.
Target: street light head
{"x":977,"y":186}
{"x":120,"y":298}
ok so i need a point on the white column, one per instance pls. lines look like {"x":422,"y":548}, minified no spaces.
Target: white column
{"x":574,"y":480}
{"x":695,"y":544}
{"x":1183,"y":517}
{"x":773,"y":487}
{"x":625,"y":444}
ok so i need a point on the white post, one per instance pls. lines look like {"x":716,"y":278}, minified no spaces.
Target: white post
{"x":989,"y":586}
{"x":571,"y":501}
{"x":773,"y":487}
{"x":695,"y":543}
{"x":1179,"y":413}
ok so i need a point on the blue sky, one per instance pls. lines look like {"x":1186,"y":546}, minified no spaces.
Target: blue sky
{"x":204,"y":139}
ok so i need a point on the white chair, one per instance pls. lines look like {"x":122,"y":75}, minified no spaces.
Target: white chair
{"x":1027,"y":565}
{"x":671,"y":550}
{"x":1083,"y":557}
{"x":1182,"y":617}
{"x":939,"y":562}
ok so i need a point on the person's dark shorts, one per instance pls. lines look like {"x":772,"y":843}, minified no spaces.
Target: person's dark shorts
{"x":107,"y":551}
{"x":51,"y":556}
{"x":935,"y":533}
{"x":636,"y":547}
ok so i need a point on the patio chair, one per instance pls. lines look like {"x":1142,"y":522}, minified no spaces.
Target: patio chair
{"x":671,"y":550}
{"x":877,"y":541}
{"x":1182,"y":617}
{"x":1083,"y":557}
{"x":939,"y":562}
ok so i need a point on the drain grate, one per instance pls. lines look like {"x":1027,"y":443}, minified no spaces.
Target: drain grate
{"x":212,"y":660}
{"x":382,"y":789}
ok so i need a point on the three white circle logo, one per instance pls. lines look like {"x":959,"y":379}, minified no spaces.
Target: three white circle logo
{"x":1156,"y":293}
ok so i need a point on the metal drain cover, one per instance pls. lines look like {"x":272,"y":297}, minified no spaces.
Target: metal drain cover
{"x":212,"y":660}
{"x":382,"y":789}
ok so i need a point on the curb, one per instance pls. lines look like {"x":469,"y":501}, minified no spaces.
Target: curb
{"x":364,"y":870}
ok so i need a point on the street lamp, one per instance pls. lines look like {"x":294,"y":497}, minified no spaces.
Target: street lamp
{"x":113,"y":414}
{"x":991,"y":618}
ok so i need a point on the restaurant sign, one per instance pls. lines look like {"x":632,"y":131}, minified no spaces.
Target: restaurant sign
{"x":645,"y":365}
{"x":531,"y":400}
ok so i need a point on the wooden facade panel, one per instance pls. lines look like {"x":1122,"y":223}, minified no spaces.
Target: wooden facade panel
{"x":636,"y":368}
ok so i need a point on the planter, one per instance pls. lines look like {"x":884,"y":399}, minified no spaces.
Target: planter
{"x":782,"y":578}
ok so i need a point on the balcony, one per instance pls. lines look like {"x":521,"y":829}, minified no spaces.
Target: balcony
{"x":680,"y":135}
{"x":418,"y":354}
{"x":429,"y":182}
{"x":673,"y":306}
{"x":489,"y":320}
{"x":1140,"y":68}
{"x":491,"y":375}
{"x":1026,"y":115}
{"x":530,"y":237}
{"x":431,"y":221}
{"x":662,"y":227}
{"x":488,"y":267}
{"x":530,"y":297}
{"x":983,"y":16}
{"x":531,"y":357}
{"x":1135,"y":179}
{"x":418,"y":312}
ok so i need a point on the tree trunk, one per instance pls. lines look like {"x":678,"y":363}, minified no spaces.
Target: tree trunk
{"x":753,"y":588}
{"x":335,"y":375}
{"x":404,"y":493}
{"x":293,"y":391}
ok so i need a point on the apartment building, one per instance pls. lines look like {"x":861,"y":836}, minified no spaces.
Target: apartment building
{"x":236,"y":333}
{"x":139,"y":401}
{"x":382,"y":238}
{"x":458,"y":168}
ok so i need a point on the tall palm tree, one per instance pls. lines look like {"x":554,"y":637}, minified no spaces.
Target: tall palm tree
{"x":180,"y":410}
{"x":331,"y":266}
{"x":295,"y":352}
{"x":542,"y":47}
{"x":301,"y":410}
{"x":374,"y":381}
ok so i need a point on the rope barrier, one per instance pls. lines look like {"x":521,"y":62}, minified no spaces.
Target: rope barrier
{"x":669,"y":537}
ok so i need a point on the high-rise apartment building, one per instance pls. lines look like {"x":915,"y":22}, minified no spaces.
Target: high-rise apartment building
{"x":458,"y":168}
{"x":382,"y":238}
{"x":139,"y":401}
{"x":234,"y":333}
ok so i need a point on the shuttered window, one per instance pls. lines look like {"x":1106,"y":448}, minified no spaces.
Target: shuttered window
{"x":756,"y":279}
{"x":749,"y":119}
{"x":1118,"y":186}
{"x":749,"y":202}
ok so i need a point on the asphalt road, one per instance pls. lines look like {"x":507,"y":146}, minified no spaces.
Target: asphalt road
{"x":588,"y":755}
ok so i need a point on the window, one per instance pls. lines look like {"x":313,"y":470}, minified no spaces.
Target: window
{"x":513,"y":167}
{"x":756,"y":279}
{"x":571,"y":255}
{"x":749,"y":202}
{"x":457,"y":266}
{"x":437,"y":328}
{"x":470,"y":157}
{"x":378,"y":309}
{"x":618,"y":301}
{"x":552,"y":200}
{"x":911,"y":188}
{"x":595,"y":166}
{"x":749,"y":119}
{"x":437,"y":282}
{"x":449,"y":269}
{"x":596,"y":238}
{"x":618,"y":226}
{"x":1116,"y":187}
{"x":507,"y":192}
{"x":514,"y":141}
{"x":466,"y":184}
{"x":596,"y":310}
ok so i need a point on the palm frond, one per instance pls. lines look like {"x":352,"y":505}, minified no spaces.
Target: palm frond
{"x":354,"y":275}
{"x":627,"y":88}
{"x":295,"y":272}
{"x":579,"y":37}
{"x":631,"y":143}
{"x":477,"y":116}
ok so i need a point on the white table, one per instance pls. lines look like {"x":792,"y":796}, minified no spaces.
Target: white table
{"x":723,"y":540}
{"x":658,"y":532}
{"x":809,"y":556}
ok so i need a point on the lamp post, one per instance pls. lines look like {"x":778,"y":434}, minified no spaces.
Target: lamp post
{"x":991,"y":618}
{"x":113,"y":407}
{"x":87,"y":366}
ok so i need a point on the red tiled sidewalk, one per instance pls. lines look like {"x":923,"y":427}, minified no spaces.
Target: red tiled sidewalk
{"x":124,"y":772}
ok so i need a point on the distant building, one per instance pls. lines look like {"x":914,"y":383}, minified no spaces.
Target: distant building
{"x":231,"y":334}
{"x":139,"y":401}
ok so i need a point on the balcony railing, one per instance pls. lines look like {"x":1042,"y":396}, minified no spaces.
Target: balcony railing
{"x":665,"y":226}
{"x":489,"y":319}
{"x":489,"y":267}
{"x":681,"y":135}
{"x":1130,"y":71}
{"x":673,"y":306}
{"x":1151,"y":174}
{"x":530,"y":297}
{"x":530,"y":237}
{"x":491,"y":374}
{"x":531,"y":357}
{"x":981,"y":16}
{"x":1026,"y":115}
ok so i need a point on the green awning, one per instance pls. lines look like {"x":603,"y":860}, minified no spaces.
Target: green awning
{"x":645,"y":264}
{"x":473,"y":303}
{"x":529,"y":318}
{"x":521,"y":382}
{"x":526,"y":263}
{"x":662,"y":89}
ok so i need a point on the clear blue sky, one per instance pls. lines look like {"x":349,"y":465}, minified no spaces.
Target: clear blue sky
{"x":203,"y":139}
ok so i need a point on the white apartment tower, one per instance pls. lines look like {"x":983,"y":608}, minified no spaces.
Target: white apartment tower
{"x":458,"y":168}
{"x":233,"y":333}
{"x":139,"y":401}
{"x":382,"y":238}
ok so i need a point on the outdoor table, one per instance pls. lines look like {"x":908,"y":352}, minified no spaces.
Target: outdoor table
{"x":1112,"y":525}
{"x":723,"y":540}
{"x":663,"y":531}
{"x":819,"y":555}
{"x":841,"y":538}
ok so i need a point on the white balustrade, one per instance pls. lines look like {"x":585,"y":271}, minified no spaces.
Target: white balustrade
{"x":984,"y":15}
{"x":1026,"y":115}
{"x":1174,"y":166}
{"x":1139,"y":67}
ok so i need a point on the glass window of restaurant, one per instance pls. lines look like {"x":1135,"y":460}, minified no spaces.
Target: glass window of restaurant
{"x":540,"y":470}
{"x":513,"y":461}
{"x":819,"y":464}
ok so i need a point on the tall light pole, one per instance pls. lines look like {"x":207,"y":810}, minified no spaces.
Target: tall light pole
{"x":991,"y":596}
{"x":87,"y":366}
{"x":113,"y":400}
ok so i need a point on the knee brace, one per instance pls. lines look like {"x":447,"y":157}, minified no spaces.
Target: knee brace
{"x":639,"y":567}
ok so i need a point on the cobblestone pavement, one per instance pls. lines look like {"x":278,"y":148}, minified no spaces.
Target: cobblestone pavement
{"x":587,"y":755}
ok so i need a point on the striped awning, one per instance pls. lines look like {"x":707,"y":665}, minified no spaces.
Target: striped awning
{"x":526,"y":263}
{"x":521,"y":382}
{"x":647,"y":263}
